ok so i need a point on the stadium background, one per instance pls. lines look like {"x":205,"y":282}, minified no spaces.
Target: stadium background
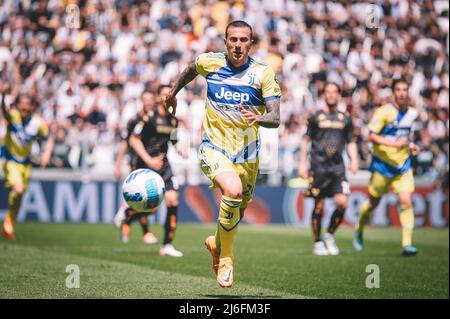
{"x":87,"y":62}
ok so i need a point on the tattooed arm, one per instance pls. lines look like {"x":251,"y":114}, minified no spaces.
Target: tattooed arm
{"x":271,"y":119}
{"x":3,"y":91}
{"x":186,"y":76}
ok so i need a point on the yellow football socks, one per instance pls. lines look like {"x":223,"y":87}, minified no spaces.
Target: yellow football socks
{"x":14,"y":201}
{"x":407,"y":221}
{"x":365,"y":216}
{"x":217,"y":237}
{"x":227,"y":225}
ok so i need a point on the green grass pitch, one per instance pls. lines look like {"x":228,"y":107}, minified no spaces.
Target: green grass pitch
{"x":270,"y":262}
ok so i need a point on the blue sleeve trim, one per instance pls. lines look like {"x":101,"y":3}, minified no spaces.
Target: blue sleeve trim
{"x":270,"y":98}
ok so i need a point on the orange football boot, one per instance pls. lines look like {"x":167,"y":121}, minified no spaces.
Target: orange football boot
{"x":209,"y":243}
{"x":8,"y":228}
{"x":225,"y":276}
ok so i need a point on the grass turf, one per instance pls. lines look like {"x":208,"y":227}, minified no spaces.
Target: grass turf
{"x":271,"y":262}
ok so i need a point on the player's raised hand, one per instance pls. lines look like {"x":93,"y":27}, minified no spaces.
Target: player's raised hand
{"x":171,"y":103}
{"x":250,"y":117}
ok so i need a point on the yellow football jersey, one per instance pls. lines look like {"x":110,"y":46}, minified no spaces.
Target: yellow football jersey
{"x":20,"y":136}
{"x":389,"y":122}
{"x":252,"y":84}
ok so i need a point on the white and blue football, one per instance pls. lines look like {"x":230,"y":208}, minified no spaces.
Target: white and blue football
{"x":143,"y":190}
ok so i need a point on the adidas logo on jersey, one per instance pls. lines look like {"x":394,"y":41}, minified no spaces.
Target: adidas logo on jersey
{"x":235,"y":96}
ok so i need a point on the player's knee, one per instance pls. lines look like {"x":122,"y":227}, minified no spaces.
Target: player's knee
{"x":172,"y":198}
{"x":405,"y":201}
{"x":318,"y":207}
{"x":341,"y":202}
{"x":230,"y":184}
{"x":233,"y":191}
{"x":18,"y":189}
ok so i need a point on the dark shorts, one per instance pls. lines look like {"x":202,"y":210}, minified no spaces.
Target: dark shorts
{"x":165,"y":173}
{"x":328,"y":184}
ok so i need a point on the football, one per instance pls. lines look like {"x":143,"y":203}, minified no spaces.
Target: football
{"x":143,"y":190}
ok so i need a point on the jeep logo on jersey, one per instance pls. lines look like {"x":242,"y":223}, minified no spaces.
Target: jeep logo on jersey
{"x":235,"y":96}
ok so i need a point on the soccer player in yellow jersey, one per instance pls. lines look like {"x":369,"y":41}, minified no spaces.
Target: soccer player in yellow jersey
{"x":242,"y":95}
{"x":23,"y":128}
{"x":390,"y":129}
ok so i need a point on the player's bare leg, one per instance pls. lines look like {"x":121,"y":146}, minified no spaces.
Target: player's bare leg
{"x":149,"y":238}
{"x":125,"y":228}
{"x":14,"y":201}
{"x":365,"y":216}
{"x":170,"y":226}
{"x":316,"y":225}
{"x":221,"y":248}
{"x":120,"y":216}
{"x":337,"y":217}
{"x":407,"y":222}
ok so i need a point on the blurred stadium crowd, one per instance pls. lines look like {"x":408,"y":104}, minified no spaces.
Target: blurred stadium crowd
{"x":86,"y":63}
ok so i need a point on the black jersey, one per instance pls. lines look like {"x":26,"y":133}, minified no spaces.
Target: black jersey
{"x":128,"y":130}
{"x":329,"y":133}
{"x":155,"y":131}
